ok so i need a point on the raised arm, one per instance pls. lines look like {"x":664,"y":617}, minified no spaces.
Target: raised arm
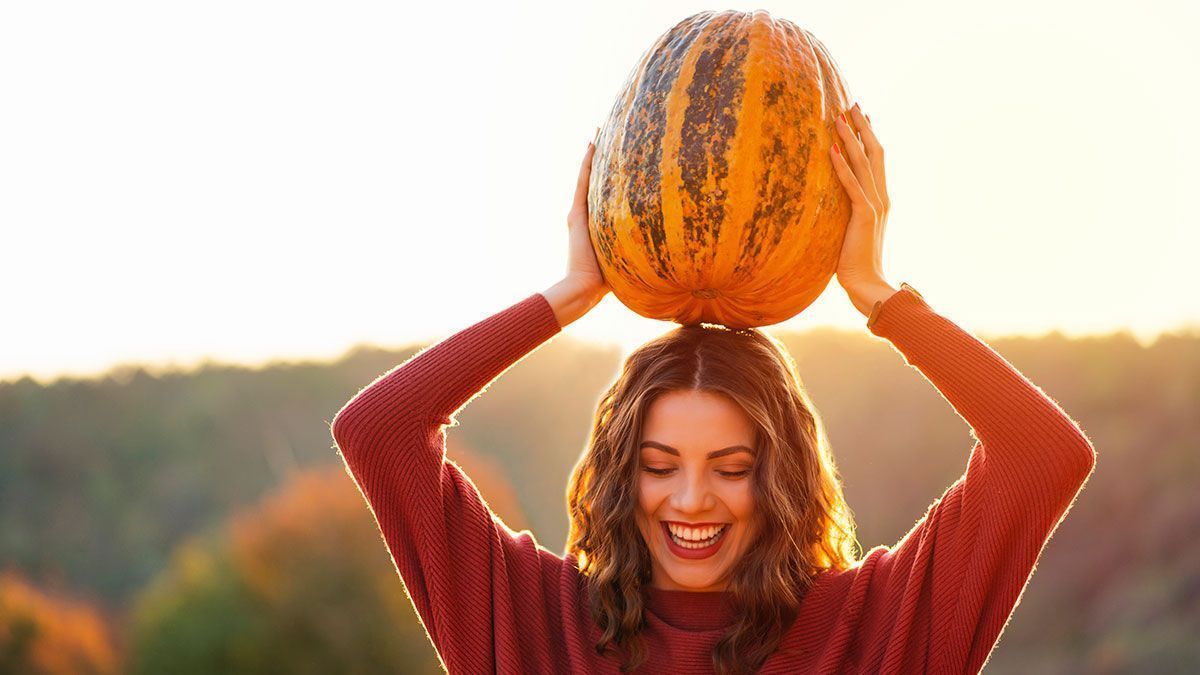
{"x":470,"y":577}
{"x":939,"y":599}
{"x":480,"y":589}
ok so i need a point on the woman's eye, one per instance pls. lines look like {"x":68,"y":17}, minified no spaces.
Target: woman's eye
{"x":727,"y":474}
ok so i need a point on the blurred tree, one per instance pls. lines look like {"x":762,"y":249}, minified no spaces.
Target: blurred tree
{"x":41,"y":634}
{"x":301,"y":583}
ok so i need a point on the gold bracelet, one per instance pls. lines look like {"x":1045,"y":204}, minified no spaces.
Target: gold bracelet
{"x":879,"y":303}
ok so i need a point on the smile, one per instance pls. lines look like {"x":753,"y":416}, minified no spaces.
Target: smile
{"x":690,"y":550}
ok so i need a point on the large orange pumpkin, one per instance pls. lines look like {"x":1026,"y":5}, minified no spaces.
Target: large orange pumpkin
{"x":713,"y":197}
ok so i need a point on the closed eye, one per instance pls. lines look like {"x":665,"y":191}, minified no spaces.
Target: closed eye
{"x":727,"y":474}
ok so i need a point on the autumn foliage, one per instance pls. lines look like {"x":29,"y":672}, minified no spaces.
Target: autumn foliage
{"x":44,"y":634}
{"x":300,"y":584}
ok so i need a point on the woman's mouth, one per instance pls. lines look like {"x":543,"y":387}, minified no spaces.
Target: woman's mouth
{"x":694,"y":550}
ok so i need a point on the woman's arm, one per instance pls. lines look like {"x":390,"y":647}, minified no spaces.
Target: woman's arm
{"x":571,"y":299}
{"x":483,"y":592}
{"x":470,"y":578}
{"x":939,"y":599}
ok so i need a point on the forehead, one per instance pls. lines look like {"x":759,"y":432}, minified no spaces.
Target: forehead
{"x":700,"y":419}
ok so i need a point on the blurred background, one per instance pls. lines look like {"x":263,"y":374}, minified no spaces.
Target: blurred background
{"x":220,"y":221}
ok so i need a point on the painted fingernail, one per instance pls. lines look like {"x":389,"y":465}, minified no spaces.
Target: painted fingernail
{"x":837,"y":149}
{"x":845,"y":120}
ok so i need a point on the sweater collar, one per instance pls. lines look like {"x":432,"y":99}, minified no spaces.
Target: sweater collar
{"x":690,"y":610}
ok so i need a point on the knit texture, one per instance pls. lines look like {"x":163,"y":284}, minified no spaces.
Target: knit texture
{"x":494,"y":600}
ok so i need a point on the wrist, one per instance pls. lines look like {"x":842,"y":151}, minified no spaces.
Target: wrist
{"x":864,"y":296}
{"x":571,"y":299}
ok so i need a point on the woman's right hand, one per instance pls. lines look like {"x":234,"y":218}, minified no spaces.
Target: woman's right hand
{"x":584,"y":286}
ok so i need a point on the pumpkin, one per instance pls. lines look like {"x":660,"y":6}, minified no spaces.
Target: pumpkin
{"x":712,"y":195}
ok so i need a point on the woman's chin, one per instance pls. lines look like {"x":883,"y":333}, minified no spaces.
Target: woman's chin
{"x":695,"y":580}
{"x":705,"y":587}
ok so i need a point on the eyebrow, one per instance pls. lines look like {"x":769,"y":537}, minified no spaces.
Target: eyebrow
{"x":712,"y":455}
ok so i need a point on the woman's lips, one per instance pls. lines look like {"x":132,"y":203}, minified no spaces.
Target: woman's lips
{"x":694,"y":553}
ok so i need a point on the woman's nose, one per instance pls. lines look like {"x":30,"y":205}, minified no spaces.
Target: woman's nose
{"x":693,"y":496}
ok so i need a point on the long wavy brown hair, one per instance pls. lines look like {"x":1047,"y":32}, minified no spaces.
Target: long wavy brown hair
{"x":803,"y":524}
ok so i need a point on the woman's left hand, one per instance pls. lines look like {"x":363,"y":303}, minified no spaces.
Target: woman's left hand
{"x":859,"y":165}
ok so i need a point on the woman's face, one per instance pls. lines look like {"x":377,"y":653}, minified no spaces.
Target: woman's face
{"x":697,"y":454}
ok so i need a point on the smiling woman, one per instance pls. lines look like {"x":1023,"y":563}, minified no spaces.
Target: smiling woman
{"x":661,"y":472}
{"x":709,"y":532}
{"x":737,"y":490}
{"x":692,"y":505}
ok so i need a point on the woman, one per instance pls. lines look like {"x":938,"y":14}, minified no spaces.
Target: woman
{"x":707,"y":434}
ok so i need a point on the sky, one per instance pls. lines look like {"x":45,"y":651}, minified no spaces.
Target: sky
{"x":252,"y":181}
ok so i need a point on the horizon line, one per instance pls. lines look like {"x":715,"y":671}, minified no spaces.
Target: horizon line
{"x":123,"y":371}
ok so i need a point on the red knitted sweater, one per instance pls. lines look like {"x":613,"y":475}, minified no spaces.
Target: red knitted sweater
{"x":494,"y":600}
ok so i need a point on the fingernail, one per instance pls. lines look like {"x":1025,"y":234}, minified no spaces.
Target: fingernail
{"x":837,"y":149}
{"x":844,"y":119}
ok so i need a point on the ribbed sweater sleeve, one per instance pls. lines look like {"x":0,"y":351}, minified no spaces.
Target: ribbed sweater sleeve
{"x":938,"y":600}
{"x":471,"y":579}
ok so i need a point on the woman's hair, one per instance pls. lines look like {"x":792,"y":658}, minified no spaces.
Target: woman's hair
{"x":802,"y":525}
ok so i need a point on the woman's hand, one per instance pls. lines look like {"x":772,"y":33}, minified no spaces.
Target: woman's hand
{"x":581,"y":260}
{"x":859,"y":165}
{"x":584,"y":286}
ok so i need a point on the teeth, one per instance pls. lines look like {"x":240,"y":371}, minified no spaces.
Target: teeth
{"x":703,"y":544}
{"x":694,"y":534}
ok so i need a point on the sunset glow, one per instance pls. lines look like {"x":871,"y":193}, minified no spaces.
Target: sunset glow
{"x":244,"y":182}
